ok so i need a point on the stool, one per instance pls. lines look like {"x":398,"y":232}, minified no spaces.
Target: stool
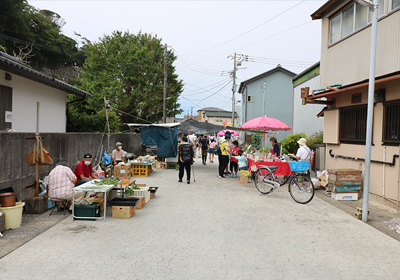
{"x":63,"y":202}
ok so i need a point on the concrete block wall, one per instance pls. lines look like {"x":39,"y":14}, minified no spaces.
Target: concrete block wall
{"x":15,"y":173}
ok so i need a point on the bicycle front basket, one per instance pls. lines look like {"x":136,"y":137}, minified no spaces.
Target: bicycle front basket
{"x":298,"y":166}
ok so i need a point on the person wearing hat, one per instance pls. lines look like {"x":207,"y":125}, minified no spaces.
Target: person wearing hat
{"x":84,"y":170}
{"x":117,"y":154}
{"x":304,"y":152}
{"x":61,"y":181}
{"x":223,"y":159}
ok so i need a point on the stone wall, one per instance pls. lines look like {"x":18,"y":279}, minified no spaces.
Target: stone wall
{"x":15,"y":173}
{"x":65,"y":74}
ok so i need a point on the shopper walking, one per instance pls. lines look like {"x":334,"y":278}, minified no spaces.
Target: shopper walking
{"x":186,"y":159}
{"x":204,"y":149}
{"x":211,"y":150}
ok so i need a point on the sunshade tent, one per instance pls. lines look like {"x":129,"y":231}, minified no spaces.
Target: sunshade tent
{"x":165,"y":136}
{"x":199,"y":127}
{"x":265,"y":124}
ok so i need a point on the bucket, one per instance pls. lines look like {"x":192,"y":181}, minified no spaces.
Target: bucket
{"x":7,"y":199}
{"x":13,"y":215}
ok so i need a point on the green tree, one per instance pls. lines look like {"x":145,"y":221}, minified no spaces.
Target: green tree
{"x":23,"y":27}
{"x":128,"y":70}
{"x":289,"y":144}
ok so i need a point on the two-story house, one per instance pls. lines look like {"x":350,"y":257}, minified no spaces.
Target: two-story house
{"x":345,"y":52}
{"x":216,"y":116}
{"x":269,"y":94}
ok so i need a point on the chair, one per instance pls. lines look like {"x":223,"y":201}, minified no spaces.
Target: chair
{"x":62,"y":201}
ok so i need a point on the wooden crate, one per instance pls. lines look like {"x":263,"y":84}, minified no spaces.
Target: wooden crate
{"x":344,"y":176}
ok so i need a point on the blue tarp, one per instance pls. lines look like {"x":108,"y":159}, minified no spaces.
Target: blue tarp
{"x":165,"y":138}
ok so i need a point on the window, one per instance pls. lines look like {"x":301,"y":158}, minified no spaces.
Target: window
{"x":391,"y":130}
{"x":250,"y":98}
{"x":353,"y":124}
{"x":351,"y":19}
{"x":395,"y":4}
{"x":356,"y":98}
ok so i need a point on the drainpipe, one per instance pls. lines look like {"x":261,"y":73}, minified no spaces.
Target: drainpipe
{"x":384,"y":169}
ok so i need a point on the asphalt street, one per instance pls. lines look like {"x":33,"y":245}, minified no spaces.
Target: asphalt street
{"x":210,"y":229}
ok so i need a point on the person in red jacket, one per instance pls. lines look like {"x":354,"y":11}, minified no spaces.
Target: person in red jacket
{"x":234,"y":162}
{"x":84,"y":171}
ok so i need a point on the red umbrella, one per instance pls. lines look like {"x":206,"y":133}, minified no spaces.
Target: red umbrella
{"x":266,"y":124}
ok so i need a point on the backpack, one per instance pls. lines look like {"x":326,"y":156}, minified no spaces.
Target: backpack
{"x":186,"y":153}
{"x":218,"y":151}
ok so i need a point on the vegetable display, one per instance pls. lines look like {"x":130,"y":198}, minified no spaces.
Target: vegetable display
{"x":106,"y":181}
{"x":130,"y":189}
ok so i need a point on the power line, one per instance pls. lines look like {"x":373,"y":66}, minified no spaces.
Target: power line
{"x":251,"y":29}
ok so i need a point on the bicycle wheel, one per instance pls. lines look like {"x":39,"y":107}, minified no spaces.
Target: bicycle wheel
{"x":261,"y":177}
{"x":301,"y":189}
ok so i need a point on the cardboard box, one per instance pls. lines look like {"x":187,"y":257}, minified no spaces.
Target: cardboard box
{"x":141,"y":203}
{"x":152,"y":195}
{"x":123,"y":212}
{"x":244,"y":179}
{"x":323,"y":182}
{"x":345,"y":196}
{"x":344,"y":176}
{"x":123,"y":170}
{"x":161,"y":165}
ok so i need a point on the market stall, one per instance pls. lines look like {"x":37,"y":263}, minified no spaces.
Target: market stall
{"x":283,"y":167}
{"x":92,"y":186}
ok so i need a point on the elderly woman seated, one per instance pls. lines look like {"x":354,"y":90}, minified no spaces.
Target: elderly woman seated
{"x":61,"y":181}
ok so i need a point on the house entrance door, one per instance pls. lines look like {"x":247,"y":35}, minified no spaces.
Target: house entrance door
{"x":5,"y":106}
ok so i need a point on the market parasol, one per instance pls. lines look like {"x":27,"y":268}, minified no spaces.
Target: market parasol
{"x":222,"y":132}
{"x":266,"y":124}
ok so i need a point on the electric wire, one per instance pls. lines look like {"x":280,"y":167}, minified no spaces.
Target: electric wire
{"x":250,"y":29}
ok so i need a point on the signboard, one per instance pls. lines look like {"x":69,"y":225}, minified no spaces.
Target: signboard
{"x":9,"y":117}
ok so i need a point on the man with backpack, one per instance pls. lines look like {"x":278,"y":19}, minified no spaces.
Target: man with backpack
{"x":186,"y":156}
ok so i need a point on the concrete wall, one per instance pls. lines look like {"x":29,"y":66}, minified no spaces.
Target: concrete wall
{"x":25,"y":95}
{"x":14,"y":147}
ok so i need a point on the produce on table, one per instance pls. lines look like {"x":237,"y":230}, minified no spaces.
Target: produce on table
{"x":130,"y":189}
{"x":107,"y":181}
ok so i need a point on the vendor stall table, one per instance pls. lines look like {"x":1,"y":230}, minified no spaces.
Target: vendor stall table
{"x":283,"y":167}
{"x":90,"y":187}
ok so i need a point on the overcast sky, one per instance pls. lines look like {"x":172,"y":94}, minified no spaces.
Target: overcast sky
{"x":203,"y":34}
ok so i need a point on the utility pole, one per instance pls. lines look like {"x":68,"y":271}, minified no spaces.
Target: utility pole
{"x":165,"y":86}
{"x":233,"y":89}
{"x":108,"y":124}
{"x":191,"y":111}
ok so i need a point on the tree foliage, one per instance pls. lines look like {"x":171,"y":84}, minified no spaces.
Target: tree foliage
{"x":128,"y":70}
{"x":289,"y":144}
{"x":22,"y":25}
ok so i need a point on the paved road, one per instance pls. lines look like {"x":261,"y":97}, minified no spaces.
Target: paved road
{"x":211,"y":229}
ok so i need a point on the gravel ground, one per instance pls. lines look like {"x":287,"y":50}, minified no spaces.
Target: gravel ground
{"x":383,"y":218}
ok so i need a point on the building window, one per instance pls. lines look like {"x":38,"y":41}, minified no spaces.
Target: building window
{"x":395,"y":4}
{"x":351,"y":19}
{"x":391,"y":130}
{"x":353,"y":124}
{"x":250,"y":98}
{"x":356,"y":98}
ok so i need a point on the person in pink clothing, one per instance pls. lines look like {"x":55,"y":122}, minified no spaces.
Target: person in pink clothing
{"x":211,"y":150}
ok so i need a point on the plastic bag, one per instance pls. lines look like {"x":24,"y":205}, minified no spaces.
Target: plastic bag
{"x":106,"y":158}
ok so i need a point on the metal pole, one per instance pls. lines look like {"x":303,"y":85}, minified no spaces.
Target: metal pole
{"x":370,"y":112}
{"x":233,"y":90}
{"x":165,"y":86}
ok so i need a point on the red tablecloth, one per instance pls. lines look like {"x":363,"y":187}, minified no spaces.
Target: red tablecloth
{"x":283,"y":167}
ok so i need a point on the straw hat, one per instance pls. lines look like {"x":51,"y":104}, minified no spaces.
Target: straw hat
{"x":302,"y":141}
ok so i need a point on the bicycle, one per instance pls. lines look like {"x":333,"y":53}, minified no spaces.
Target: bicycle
{"x":300,"y":187}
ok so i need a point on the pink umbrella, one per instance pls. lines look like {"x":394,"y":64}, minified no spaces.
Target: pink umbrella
{"x":222,"y":132}
{"x":266,"y":124}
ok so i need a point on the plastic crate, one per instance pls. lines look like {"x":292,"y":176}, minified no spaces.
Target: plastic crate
{"x":171,"y":165}
{"x":126,"y":201}
{"x":139,"y":170}
{"x":92,"y":210}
